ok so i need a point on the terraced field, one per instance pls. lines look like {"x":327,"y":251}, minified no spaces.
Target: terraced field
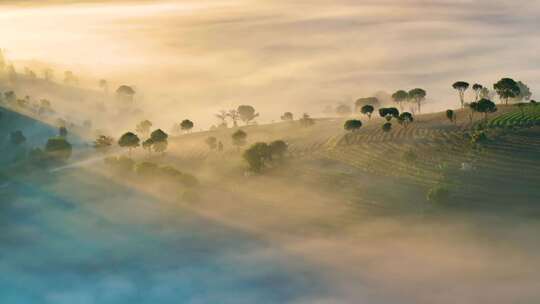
{"x":429,"y":152}
{"x":528,"y":115}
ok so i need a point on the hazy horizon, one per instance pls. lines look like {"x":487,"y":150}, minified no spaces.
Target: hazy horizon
{"x":276,"y":55}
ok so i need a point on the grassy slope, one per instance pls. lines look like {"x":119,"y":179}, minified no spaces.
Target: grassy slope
{"x":367,"y":168}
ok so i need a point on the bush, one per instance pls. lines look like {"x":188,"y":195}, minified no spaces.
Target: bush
{"x":438,"y":194}
{"x":58,"y":149}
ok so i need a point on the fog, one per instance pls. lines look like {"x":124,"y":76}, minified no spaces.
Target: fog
{"x":196,"y":57}
{"x":329,"y":222}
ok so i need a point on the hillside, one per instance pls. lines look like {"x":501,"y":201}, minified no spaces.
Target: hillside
{"x":341,"y":208}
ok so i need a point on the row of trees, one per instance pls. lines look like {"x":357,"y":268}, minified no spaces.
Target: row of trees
{"x":244,"y":113}
{"x":507,"y":89}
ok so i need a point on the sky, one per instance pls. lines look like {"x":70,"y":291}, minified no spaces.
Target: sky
{"x":196,"y":56}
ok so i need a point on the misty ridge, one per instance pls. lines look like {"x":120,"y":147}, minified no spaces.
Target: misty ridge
{"x":269,"y":152}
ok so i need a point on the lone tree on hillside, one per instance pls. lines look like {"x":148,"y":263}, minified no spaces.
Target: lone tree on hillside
{"x":103,"y":143}
{"x":239,"y":138}
{"x":387,"y":127}
{"x":247,"y":113}
{"x":125,"y":93}
{"x":461,"y":87}
{"x":405,"y":119}
{"x":400,"y":97}
{"x":159,"y":140}
{"x":388,"y":113}
{"x":343,"y":110}
{"x":367,"y":110}
{"x":486,"y":106}
{"x":17,"y":137}
{"x":58,"y":149}
{"x":477,"y":88}
{"x":278,"y":148}
{"x":352,"y":125}
{"x":417,"y":96}
{"x":287,"y":116}
{"x":451,"y":115}
{"x":186,"y":125}
{"x":506,"y":88}
{"x":257,"y":155}
{"x":144,"y":127}
{"x":211,"y":142}
{"x":129,"y":140}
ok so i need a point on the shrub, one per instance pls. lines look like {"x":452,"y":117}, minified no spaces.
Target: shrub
{"x":438,"y":194}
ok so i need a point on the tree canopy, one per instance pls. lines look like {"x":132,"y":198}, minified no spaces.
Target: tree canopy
{"x":461,"y":87}
{"x":186,"y":125}
{"x":506,"y":88}
{"x":352,"y":125}
{"x":247,"y":113}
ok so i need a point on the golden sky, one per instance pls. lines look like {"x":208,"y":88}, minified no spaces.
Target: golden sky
{"x":281,"y":53}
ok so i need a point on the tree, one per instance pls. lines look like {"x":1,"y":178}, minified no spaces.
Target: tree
{"x":278,"y":148}
{"x":524,"y":92}
{"x":58,"y":149}
{"x":211,"y":142}
{"x":12,"y":74}
{"x":222,"y":116}
{"x":143,"y":127}
{"x":474,"y":108}
{"x":360,"y":102}
{"x":148,"y":144}
{"x":405,"y":119}
{"x":451,"y":115}
{"x":399,"y":97}
{"x":367,"y":110}
{"x":129,"y":140}
{"x":387,"y":127}
{"x":103,"y":143}
{"x":239,"y":138}
{"x":257,"y":155}
{"x":234,"y":116}
{"x":417,"y":96}
{"x":352,"y":125}
{"x":477,"y":88}
{"x":306,"y":120}
{"x":17,"y":137}
{"x":343,"y":110}
{"x":247,"y":113}
{"x":159,"y":140}
{"x":62,"y":131}
{"x":388,"y":113}
{"x":287,"y":116}
{"x":486,"y":106}
{"x":70,"y":78}
{"x":104,"y":85}
{"x":461,"y":87}
{"x":186,"y":125}
{"x":125,"y":94}
{"x":48,"y":74}
{"x":506,"y":88}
